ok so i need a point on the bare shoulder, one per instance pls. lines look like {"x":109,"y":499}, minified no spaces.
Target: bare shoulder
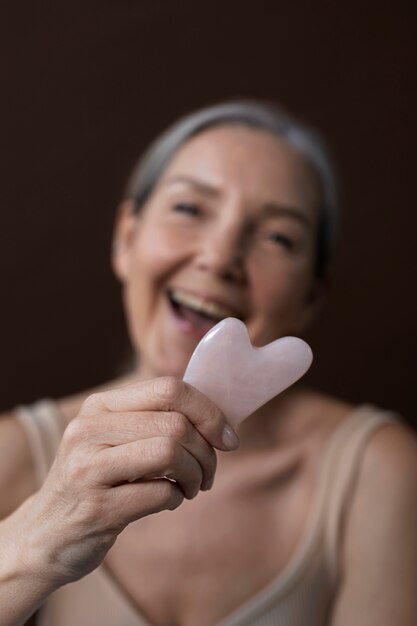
{"x":388,"y":473}
{"x":393,"y":446}
{"x":389,"y":463}
{"x":387,"y":484}
{"x":17,"y":469}
{"x":17,"y":466}
{"x":17,"y":479}
{"x":380,"y":544}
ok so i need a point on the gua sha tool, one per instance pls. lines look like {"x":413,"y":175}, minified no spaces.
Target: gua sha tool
{"x":239,"y":377}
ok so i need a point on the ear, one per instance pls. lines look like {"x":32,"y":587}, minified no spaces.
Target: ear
{"x":123,"y":234}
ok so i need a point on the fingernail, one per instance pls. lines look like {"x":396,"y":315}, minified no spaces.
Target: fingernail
{"x":229,"y":438}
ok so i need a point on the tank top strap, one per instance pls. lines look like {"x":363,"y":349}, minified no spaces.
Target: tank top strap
{"x":44,"y":427}
{"x":341,"y":472}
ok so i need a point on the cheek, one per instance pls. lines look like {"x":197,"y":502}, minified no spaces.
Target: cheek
{"x":280,"y":292}
{"x":152,"y":261}
{"x":155,"y":256}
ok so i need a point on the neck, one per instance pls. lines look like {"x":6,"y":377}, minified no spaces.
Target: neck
{"x":271,"y":424}
{"x":146,"y":371}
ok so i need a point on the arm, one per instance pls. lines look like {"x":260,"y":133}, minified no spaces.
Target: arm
{"x":24,"y":583}
{"x":17,"y":481}
{"x":110,"y":470}
{"x":379,"y":577}
{"x":20,"y":589}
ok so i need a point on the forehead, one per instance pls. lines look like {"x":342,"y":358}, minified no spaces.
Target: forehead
{"x":248,"y":162}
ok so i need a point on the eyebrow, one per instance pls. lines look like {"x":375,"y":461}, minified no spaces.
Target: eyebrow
{"x":199,"y":184}
{"x":278,"y":210}
{"x":271,"y":209}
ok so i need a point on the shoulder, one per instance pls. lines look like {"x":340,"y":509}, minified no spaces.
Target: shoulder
{"x":17,"y":439}
{"x":392,"y":450}
{"x":387,"y":472}
{"x":16,"y":465}
{"x":380,"y":540}
{"x":387,"y":484}
{"x":387,"y":479}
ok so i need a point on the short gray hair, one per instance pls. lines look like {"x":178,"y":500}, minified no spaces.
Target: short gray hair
{"x":257,"y":114}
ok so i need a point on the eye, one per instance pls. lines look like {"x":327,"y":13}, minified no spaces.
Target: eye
{"x":187,"y":208}
{"x":282,"y":240}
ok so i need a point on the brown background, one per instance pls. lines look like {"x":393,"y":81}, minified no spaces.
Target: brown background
{"x":85,"y":86}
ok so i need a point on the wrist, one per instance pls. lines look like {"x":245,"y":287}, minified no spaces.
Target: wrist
{"x":24,"y":581}
{"x":23,"y":553}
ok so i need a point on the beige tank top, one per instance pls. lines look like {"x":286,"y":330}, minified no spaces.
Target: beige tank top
{"x":301,"y":595}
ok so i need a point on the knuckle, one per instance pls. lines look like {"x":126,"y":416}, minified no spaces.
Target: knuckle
{"x":211,"y":415}
{"x":169,"y":389}
{"x":179,"y":426}
{"x":92,"y":403}
{"x":167,"y":452}
{"x":74,"y":432}
{"x":79,"y":431}
{"x":209,"y":412}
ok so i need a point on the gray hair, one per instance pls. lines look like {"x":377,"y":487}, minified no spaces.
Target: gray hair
{"x":257,"y":114}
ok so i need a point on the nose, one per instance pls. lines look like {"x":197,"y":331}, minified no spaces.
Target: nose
{"x":222,"y":253}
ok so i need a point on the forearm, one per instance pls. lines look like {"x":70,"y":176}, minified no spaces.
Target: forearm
{"x":24,"y":580}
{"x":21,"y":594}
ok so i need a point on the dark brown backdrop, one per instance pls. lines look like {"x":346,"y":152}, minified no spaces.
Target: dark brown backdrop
{"x":86,"y":85}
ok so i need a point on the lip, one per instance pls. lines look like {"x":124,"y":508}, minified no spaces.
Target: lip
{"x":225,"y":304}
{"x":185,"y":326}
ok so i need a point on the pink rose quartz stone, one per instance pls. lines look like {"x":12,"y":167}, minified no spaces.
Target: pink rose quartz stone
{"x":239,"y":377}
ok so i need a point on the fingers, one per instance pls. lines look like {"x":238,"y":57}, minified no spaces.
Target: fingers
{"x":169,"y":394}
{"x":130,"y":502}
{"x":147,"y":459}
{"x":116,"y":429}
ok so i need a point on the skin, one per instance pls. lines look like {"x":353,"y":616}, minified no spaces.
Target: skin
{"x":206,"y":228}
{"x":246,"y":234}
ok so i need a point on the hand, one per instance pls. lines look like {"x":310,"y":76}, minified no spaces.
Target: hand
{"x":113,"y":466}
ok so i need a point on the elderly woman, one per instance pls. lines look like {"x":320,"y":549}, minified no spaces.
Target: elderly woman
{"x":312,"y":516}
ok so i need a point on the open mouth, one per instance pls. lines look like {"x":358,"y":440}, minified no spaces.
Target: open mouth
{"x":196,"y":314}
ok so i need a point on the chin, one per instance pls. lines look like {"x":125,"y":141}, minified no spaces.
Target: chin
{"x":172,"y":370}
{"x":165,"y":365}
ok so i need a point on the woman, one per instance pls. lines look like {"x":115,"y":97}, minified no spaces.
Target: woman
{"x":312,"y":516}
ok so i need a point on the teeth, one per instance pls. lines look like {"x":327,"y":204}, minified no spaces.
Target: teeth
{"x":211,"y":309}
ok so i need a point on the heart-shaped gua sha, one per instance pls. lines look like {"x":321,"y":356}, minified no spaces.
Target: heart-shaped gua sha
{"x":239,"y":377}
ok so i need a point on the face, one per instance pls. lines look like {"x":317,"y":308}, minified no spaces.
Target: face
{"x":229,"y":230}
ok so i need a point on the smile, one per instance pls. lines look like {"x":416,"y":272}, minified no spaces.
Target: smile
{"x":197,"y":314}
{"x":200,"y":305}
